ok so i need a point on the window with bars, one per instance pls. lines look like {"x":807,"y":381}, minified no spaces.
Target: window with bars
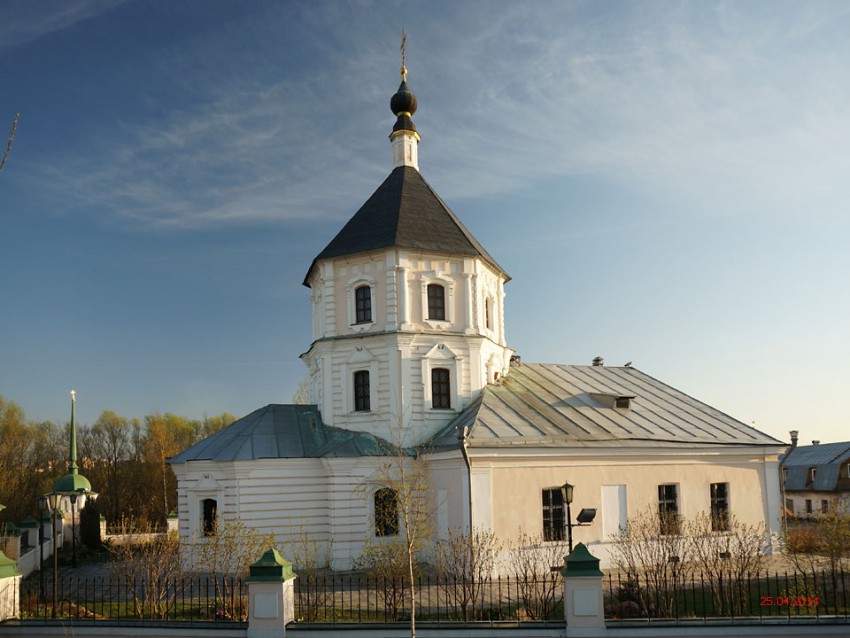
{"x":668,"y":509}
{"x":363,"y":304}
{"x":361,"y":391}
{"x":720,"y":507}
{"x":436,"y":302}
{"x":386,"y":512}
{"x":554,"y":518}
{"x":441,"y":389}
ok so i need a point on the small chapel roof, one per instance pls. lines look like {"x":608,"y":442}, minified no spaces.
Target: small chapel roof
{"x":405,"y":212}
{"x":282,"y":431}
{"x":576,"y":406}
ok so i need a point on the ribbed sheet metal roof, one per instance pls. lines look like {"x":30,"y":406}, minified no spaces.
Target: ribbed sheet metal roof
{"x":279,"y":432}
{"x":826,"y":458}
{"x":405,"y":212}
{"x":565,"y":405}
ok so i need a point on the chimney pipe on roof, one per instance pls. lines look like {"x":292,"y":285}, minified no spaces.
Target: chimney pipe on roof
{"x":815,"y":442}
{"x":794,"y":434}
{"x":598,"y":361}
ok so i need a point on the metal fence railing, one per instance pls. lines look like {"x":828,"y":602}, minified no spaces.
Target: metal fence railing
{"x":184,"y":599}
{"x":356,"y":599}
{"x":361,"y":599}
{"x":793,"y":596}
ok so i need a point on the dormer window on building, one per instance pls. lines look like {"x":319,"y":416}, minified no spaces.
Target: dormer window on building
{"x":812,"y":473}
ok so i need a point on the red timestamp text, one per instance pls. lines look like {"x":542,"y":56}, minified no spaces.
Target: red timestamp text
{"x":789,"y":601}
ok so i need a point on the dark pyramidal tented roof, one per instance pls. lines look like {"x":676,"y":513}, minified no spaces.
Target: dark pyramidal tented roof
{"x":574,"y":406}
{"x":826,"y":458}
{"x":405,"y":212}
{"x":280,"y":432}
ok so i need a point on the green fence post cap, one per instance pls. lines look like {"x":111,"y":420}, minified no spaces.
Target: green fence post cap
{"x":8,"y":567}
{"x":271,"y":567}
{"x":581,"y":563}
{"x":29,"y":523}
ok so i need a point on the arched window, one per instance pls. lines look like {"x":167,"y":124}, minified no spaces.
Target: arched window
{"x":386,"y":512}
{"x":436,"y":302}
{"x":441,"y":390}
{"x":361,"y":391}
{"x":210,"y":508}
{"x":363,"y":304}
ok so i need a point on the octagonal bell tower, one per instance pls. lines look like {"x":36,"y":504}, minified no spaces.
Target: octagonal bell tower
{"x":408,"y":307}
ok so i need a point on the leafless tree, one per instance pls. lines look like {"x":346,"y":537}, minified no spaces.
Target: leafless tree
{"x":8,"y":150}
{"x":464,"y":562}
{"x":531,"y":561}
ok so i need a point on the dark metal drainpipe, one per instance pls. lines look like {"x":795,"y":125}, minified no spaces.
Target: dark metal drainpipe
{"x":462,"y":436}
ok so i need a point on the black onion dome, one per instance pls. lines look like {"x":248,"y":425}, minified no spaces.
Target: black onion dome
{"x":403,"y":101}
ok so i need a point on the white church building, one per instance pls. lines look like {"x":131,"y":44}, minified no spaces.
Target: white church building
{"x":409,"y":348}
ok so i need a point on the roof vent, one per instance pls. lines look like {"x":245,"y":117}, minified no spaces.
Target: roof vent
{"x":794,"y":434}
{"x":598,"y":361}
{"x":815,"y":442}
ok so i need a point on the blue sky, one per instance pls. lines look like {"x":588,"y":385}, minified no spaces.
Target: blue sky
{"x":665,"y":182}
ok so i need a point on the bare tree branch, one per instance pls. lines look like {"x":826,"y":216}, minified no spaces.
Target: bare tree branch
{"x":9,"y":143}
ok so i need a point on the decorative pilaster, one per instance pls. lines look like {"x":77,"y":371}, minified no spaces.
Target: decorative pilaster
{"x":468,"y":328}
{"x":403,"y":298}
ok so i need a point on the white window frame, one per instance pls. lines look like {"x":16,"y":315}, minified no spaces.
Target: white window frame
{"x":361,"y":360}
{"x":353,"y":284}
{"x":448,"y":285}
{"x":441,"y":356}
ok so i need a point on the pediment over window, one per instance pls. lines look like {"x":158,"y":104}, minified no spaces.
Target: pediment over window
{"x":441,"y":351}
{"x":207,"y":484}
{"x":361,"y":355}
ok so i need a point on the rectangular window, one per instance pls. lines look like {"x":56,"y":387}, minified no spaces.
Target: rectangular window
{"x":668,"y":509}
{"x":363,"y":304}
{"x":720,"y":507}
{"x":436,"y":302}
{"x":812,"y":472}
{"x":361,"y":391}
{"x":440,"y":389}
{"x":824,"y":506}
{"x":487,"y":323}
{"x":789,"y":507}
{"x":784,"y":474}
{"x":554,"y":519}
{"x":808,"y":506}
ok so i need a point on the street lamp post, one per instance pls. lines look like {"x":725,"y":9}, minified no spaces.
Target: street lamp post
{"x":53,"y":499}
{"x":585,"y":516}
{"x":567,"y":494}
{"x":44,"y":508}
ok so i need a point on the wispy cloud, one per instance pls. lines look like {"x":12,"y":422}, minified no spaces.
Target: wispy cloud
{"x":688,"y":100}
{"x":23,"y":21}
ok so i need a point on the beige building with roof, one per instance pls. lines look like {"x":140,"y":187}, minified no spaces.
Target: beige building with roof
{"x":409,"y":348}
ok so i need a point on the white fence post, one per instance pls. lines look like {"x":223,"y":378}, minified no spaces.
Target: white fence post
{"x":10,"y":588}
{"x":271,"y":596}
{"x":584,"y":608}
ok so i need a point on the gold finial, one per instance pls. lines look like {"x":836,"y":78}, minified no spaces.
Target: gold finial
{"x":403,"y":44}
